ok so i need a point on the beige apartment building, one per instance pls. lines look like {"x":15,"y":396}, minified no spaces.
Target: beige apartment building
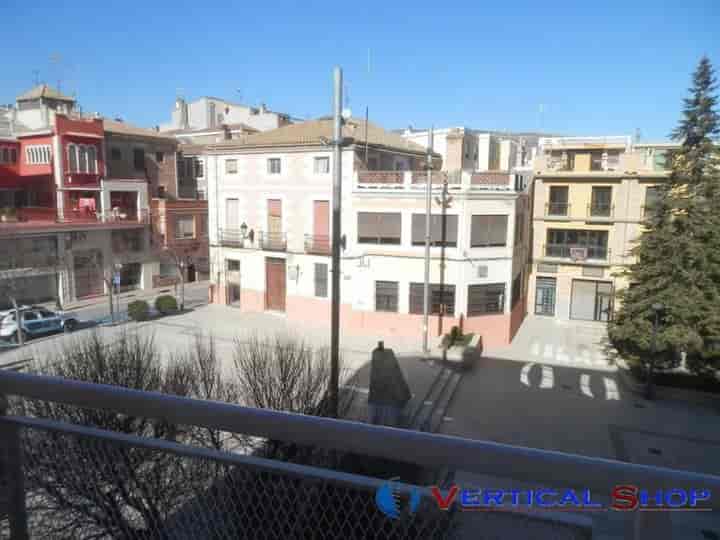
{"x":590,"y":200}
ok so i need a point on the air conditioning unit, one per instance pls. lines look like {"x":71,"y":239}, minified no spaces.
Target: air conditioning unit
{"x":482,"y":271}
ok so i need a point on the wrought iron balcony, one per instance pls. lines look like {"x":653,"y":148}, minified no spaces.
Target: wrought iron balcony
{"x":234,"y":238}
{"x":557,"y":209}
{"x":317,"y":244}
{"x":576,"y":252}
{"x":602,"y":211}
{"x":272,"y":241}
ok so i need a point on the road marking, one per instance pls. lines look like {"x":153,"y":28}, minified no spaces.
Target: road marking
{"x":548,"y":380}
{"x":524,"y":374}
{"x":585,"y":385}
{"x":611,"y":389}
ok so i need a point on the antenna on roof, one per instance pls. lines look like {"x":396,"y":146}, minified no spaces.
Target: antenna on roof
{"x":56,"y":60}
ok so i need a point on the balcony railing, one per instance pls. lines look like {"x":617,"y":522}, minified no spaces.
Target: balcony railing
{"x":97,"y":483}
{"x":317,"y":244}
{"x":272,"y":241}
{"x":234,"y":238}
{"x":600,"y":210}
{"x":557,"y":209}
{"x":576,"y":252}
{"x":457,"y":180}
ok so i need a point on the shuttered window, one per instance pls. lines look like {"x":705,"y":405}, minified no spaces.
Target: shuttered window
{"x":446,"y":299}
{"x":321,"y":280}
{"x":386,"y":296}
{"x":488,"y":231}
{"x":418,"y":230}
{"x":379,"y":228}
{"x":485,"y":299}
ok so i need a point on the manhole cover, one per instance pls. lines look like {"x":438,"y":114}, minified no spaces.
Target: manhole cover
{"x":655,"y":451}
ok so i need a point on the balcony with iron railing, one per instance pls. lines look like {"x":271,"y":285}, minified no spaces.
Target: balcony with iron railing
{"x":29,"y":219}
{"x":600,"y":211}
{"x":63,"y":479}
{"x":416,"y":181}
{"x":317,"y":244}
{"x":576,"y":252}
{"x":559,"y":211}
{"x":234,"y":238}
{"x":272,"y":241}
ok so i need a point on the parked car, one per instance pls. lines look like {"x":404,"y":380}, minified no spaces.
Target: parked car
{"x":35,"y":321}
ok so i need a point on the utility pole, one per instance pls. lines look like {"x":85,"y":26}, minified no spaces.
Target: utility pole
{"x":336,"y":239}
{"x":428,"y":205}
{"x":444,"y":203}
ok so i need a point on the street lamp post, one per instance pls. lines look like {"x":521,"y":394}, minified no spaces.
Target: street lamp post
{"x":116,"y":282}
{"x":649,"y":388}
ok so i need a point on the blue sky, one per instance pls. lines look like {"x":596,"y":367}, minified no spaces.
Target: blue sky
{"x":597,"y":68}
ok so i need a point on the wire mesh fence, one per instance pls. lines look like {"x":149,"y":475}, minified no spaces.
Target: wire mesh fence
{"x":80,"y":486}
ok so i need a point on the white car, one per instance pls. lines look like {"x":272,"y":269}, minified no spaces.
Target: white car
{"x":35,"y":321}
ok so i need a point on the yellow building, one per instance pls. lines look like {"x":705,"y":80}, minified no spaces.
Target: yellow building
{"x":590,"y":198}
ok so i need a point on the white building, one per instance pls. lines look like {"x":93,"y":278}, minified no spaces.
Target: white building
{"x":270,"y":198}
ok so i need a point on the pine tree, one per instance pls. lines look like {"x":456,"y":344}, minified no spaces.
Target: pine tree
{"x":678,"y":256}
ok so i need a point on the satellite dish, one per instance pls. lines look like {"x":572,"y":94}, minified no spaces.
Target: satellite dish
{"x":346,"y":113}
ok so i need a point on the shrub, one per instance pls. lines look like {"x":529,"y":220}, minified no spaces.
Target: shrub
{"x":138,"y":310}
{"x":166,"y":304}
{"x":455,"y":334}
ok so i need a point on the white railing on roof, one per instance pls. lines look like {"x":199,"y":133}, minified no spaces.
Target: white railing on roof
{"x":415,"y":181}
{"x":574,"y":142}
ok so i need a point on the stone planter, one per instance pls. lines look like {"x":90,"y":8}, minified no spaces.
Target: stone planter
{"x":461,"y":355}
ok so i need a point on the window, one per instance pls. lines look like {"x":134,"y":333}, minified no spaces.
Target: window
{"x":379,"y":228}
{"x":558,"y":201}
{"x":486,"y":299}
{"x":115,"y":154}
{"x":652,"y":197}
{"x":82,"y":159}
{"x":516,"y":291}
{"x":139,"y":159}
{"x":321,"y":280}
{"x":601,"y":201}
{"x":321,"y":165}
{"x":181,"y":168}
{"x":184,"y":227}
{"x":232,"y":265}
{"x":519,"y":227}
{"x":199,"y":168}
{"x":202,"y":226}
{"x":273,"y":166}
{"x":436,"y":232}
{"x":29,"y":316}
{"x":159,"y":157}
{"x":561,"y":241}
{"x":13,"y":155}
{"x":38,"y":154}
{"x":168,"y":270}
{"x":231,"y":166}
{"x":73,"y":158}
{"x":487,"y":231}
{"x":386,"y":296}
{"x":438,"y":301}
{"x":5,"y":158}
{"x":92,"y":159}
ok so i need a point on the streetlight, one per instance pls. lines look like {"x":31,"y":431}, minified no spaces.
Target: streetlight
{"x":649,"y":389}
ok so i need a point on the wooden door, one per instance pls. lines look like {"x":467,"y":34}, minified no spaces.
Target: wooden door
{"x":321,"y":227}
{"x":275,"y":284}
{"x":274,"y":216}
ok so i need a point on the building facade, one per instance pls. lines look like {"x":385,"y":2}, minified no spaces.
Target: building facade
{"x":75,"y":196}
{"x":591,"y":196}
{"x":270,"y":228}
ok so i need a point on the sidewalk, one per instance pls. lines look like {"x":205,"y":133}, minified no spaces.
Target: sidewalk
{"x":139,"y":294}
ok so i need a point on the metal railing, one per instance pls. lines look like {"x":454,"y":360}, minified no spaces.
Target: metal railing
{"x":81,"y":481}
{"x":557,"y":209}
{"x":317,"y":244}
{"x":381,"y":177}
{"x":233,"y":238}
{"x":600,"y":210}
{"x":568,"y":251}
{"x":272,"y":241}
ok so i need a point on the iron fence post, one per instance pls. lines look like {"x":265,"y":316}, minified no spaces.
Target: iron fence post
{"x":12,"y":469}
